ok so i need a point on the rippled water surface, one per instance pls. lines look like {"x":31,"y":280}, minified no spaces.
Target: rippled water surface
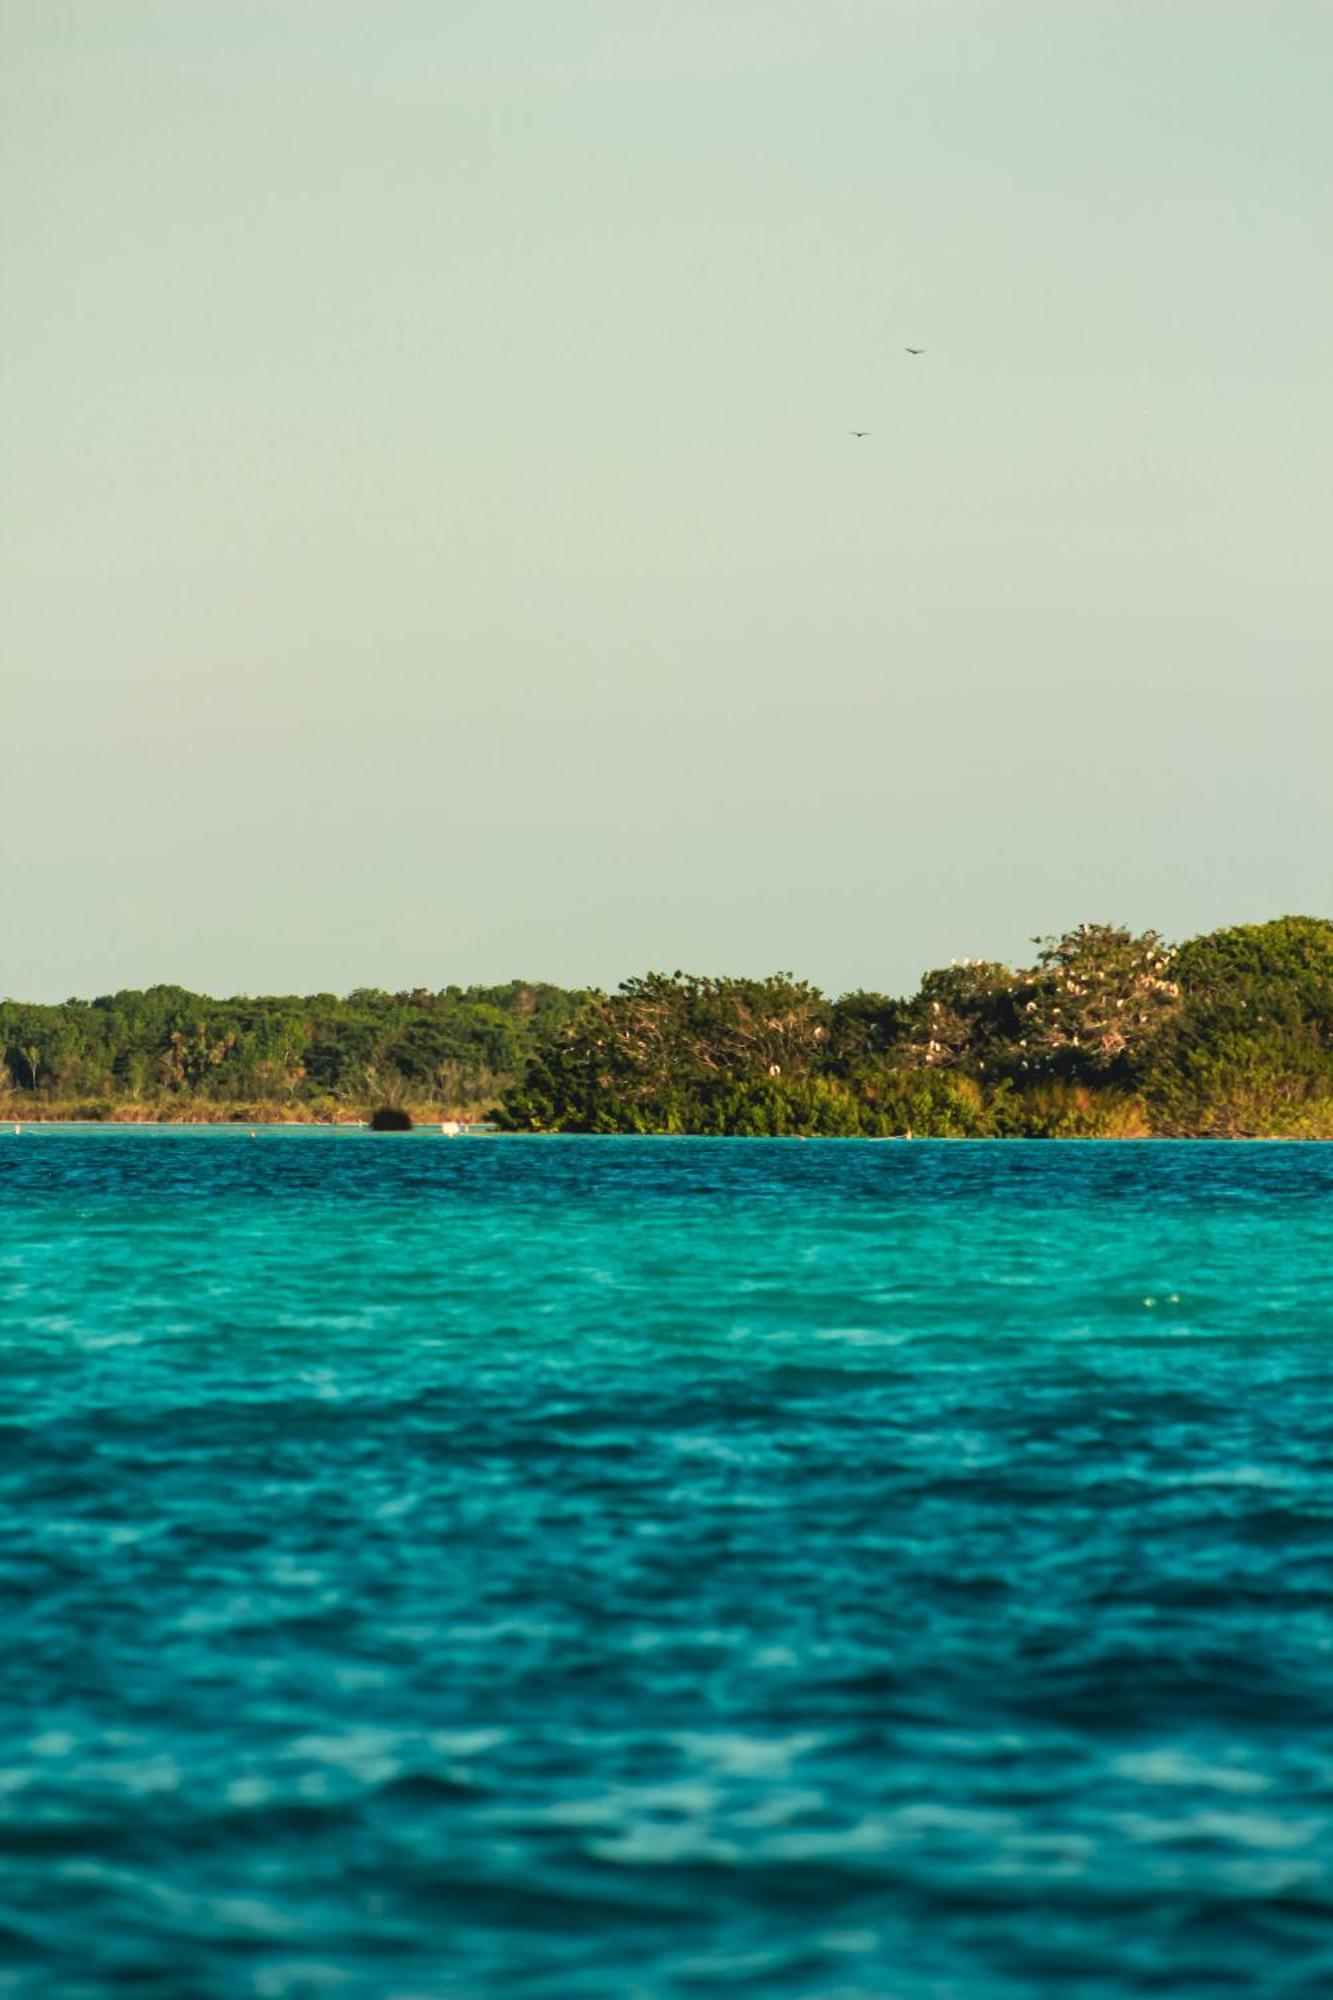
{"x":655,"y":1568}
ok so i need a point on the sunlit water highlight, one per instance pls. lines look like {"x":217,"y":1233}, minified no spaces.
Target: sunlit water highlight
{"x":664,"y":1568}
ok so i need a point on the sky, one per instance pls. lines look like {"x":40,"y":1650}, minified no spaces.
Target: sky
{"x":432,"y":543}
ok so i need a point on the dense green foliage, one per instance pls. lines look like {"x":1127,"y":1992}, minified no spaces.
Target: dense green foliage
{"x":1105,"y":1034}
{"x":165,"y":1051}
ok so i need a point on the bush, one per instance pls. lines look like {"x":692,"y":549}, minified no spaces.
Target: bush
{"x":1073,"y":1111}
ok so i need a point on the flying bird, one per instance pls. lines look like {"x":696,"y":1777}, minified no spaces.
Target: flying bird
{"x":914,"y":350}
{"x":858,"y":434}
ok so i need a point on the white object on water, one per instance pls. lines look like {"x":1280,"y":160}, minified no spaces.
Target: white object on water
{"x":451,"y":1128}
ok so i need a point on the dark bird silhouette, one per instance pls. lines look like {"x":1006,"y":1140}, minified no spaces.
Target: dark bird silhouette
{"x":914,"y":350}
{"x":858,"y":434}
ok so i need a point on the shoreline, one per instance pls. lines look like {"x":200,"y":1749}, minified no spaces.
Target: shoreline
{"x":242,"y":1115}
{"x":464,"y":1129}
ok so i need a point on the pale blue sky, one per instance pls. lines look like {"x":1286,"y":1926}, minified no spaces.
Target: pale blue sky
{"x":433,"y":548}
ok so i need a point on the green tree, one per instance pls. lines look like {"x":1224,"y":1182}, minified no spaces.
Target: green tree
{"x":1250,"y":1050}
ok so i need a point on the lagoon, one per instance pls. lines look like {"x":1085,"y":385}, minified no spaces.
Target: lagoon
{"x":580,"y":1567}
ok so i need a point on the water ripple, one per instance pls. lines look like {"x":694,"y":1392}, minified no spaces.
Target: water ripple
{"x":603,"y":1568}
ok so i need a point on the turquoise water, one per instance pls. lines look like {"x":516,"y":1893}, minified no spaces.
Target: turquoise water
{"x":664,"y":1568}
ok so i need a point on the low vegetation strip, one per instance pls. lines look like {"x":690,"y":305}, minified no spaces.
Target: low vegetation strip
{"x":1106,"y":1034}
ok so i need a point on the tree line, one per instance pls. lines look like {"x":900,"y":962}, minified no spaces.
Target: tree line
{"x":1106,"y":1033}
{"x":167,"y":1052}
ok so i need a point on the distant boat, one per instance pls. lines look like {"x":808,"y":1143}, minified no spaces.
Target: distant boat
{"x":451,"y":1128}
